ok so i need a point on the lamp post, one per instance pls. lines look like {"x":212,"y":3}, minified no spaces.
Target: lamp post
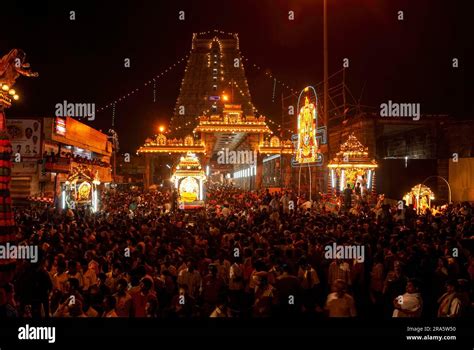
{"x":326,"y":82}
{"x":325,"y":49}
{"x":115,"y":147}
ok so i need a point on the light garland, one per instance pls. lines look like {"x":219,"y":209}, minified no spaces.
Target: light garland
{"x":113,"y":115}
{"x":271,"y":76}
{"x":352,"y":155}
{"x":149,"y":82}
{"x":353,"y":148}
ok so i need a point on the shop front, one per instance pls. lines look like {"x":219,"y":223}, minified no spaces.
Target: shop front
{"x":49,"y":149}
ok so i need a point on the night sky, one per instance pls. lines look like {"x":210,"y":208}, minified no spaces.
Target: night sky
{"x":83,"y":60}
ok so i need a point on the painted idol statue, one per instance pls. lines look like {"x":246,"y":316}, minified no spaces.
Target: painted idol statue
{"x":307,"y":144}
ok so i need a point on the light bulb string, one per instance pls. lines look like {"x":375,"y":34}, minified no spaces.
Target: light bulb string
{"x":152,"y":81}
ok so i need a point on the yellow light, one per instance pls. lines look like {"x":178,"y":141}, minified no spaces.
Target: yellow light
{"x":225,"y":97}
{"x":16,"y":97}
{"x":12,"y":92}
{"x":306,"y":89}
{"x":161,"y":128}
{"x":5,"y":87}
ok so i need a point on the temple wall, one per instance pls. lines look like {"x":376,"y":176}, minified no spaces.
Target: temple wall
{"x":461,"y":179}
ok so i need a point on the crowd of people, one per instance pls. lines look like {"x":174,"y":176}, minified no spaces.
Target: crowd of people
{"x":246,"y":254}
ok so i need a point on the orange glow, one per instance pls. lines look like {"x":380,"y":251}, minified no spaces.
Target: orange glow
{"x":225,"y":97}
{"x":161,"y":128}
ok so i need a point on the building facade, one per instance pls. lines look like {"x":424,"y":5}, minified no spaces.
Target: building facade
{"x":46,"y":150}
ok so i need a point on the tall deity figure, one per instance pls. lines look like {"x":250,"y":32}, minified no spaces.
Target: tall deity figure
{"x":12,"y":65}
{"x":307,"y":144}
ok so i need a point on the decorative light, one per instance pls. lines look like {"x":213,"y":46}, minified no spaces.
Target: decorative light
{"x":16,"y":97}
{"x":145,"y":84}
{"x":5,"y":87}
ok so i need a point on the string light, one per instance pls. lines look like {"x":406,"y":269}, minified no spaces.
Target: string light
{"x":113,"y":116}
{"x":122,"y":98}
{"x":271,"y":76}
{"x":274,"y":88}
{"x":244,"y":91}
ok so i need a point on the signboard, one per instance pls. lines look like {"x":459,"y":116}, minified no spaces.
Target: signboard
{"x":214,"y":98}
{"x":80,"y":135}
{"x":22,"y":168}
{"x":25,"y":137}
{"x":60,"y":126}
{"x":61,"y":165}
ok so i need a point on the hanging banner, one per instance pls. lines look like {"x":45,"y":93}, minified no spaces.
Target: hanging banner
{"x":25,"y":137}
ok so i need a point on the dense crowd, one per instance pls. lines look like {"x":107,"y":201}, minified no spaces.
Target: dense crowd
{"x":246,"y":254}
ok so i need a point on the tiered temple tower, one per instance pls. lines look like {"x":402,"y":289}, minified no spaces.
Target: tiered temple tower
{"x":214,"y":76}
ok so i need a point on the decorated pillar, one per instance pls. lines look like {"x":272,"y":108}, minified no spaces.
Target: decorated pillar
{"x":12,"y":65}
{"x":7,"y":223}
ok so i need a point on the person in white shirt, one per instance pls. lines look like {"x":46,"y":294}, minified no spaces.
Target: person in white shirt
{"x":225,"y":211}
{"x":284,"y":200}
{"x":339,"y":303}
{"x":307,"y":205}
{"x":309,"y":280}
{"x":60,"y":277}
{"x":449,"y":302}
{"x":223,"y":267}
{"x":274,"y":203}
{"x":191,"y":278}
{"x":363,"y":186}
{"x":236,"y":279}
{"x":90,"y":277}
{"x":409,"y":304}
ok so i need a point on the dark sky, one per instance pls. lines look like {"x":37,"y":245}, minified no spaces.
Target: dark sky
{"x":83,"y":60}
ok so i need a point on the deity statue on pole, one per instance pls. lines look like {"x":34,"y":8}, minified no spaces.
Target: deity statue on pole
{"x":307,"y":144}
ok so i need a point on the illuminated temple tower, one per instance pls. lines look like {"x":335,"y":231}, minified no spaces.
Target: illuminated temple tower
{"x":214,"y":68}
